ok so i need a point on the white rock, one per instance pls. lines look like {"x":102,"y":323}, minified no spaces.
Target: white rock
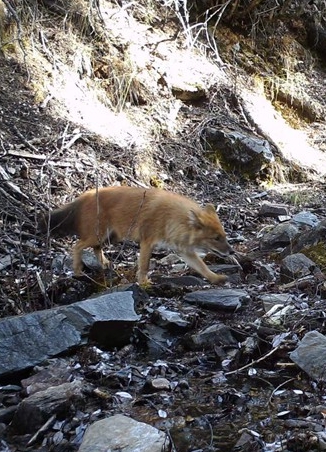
{"x":123,"y":433}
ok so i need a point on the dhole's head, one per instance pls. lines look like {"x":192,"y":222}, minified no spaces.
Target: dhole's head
{"x":208,"y":232}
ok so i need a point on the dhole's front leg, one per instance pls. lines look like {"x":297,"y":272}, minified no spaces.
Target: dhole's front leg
{"x":195,"y":262}
{"x":143,"y":262}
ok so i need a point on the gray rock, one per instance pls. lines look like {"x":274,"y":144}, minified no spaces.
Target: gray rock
{"x":266,"y":271}
{"x":158,"y":340}
{"x":280,"y":236}
{"x":53,"y":373}
{"x":167,"y":318}
{"x":276,"y":298}
{"x":62,"y":263}
{"x":227,"y":299}
{"x":6,"y":415}
{"x":232,"y":271}
{"x":159,"y":384}
{"x":307,"y":239}
{"x":295,"y":266}
{"x":178,"y":281}
{"x":310,"y":355}
{"x":123,"y":433}
{"x":227,"y":269}
{"x":6,"y":261}
{"x":215,"y":335}
{"x":248,"y":441}
{"x":30,"y":339}
{"x":272,"y":299}
{"x":308,"y":218}
{"x":90,"y":261}
{"x":272,"y":210}
{"x":139,"y":294}
{"x":36,"y":409}
{"x":248,"y":152}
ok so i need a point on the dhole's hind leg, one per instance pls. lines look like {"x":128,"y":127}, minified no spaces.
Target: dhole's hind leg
{"x":195,"y":262}
{"x":143,"y":262}
{"x":77,"y":257}
{"x":105,"y":263}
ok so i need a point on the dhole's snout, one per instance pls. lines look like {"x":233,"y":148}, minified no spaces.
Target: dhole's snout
{"x":224,"y":250}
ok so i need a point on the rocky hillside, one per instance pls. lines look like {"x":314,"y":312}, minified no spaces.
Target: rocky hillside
{"x":220,"y":101}
{"x":152,"y":82}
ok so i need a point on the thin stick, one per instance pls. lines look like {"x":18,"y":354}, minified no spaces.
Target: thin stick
{"x":262,"y":358}
{"x":44,"y":427}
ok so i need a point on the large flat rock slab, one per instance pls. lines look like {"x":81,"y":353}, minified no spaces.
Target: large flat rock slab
{"x":29,"y":339}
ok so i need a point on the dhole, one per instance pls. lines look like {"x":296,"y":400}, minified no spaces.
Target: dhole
{"x":146,"y":216}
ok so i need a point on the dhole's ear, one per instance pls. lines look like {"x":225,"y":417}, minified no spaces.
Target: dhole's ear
{"x":209,"y":208}
{"x":195,"y":219}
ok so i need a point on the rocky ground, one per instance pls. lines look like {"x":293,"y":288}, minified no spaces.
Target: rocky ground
{"x":185,"y":364}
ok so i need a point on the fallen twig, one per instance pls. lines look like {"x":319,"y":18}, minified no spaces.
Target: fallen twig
{"x":26,"y":155}
{"x":262,"y":358}
{"x":43,"y":429}
{"x":21,"y":136}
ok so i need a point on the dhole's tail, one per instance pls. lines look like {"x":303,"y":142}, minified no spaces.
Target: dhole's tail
{"x":61,"y":222}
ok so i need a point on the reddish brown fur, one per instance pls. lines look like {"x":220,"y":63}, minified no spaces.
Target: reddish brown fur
{"x":147,"y":216}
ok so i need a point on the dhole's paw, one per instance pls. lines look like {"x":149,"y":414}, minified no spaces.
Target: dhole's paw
{"x":219,"y":279}
{"x":145,"y":283}
{"x":78,"y":272}
{"x":105,"y":263}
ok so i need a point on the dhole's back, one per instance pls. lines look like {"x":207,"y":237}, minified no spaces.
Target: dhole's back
{"x":135,"y":213}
